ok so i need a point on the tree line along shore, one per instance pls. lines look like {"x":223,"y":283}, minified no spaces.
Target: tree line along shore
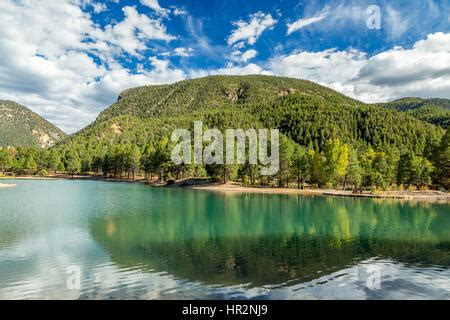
{"x":338,"y":166}
{"x":327,"y":140}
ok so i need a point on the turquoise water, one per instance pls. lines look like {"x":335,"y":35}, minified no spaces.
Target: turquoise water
{"x":130,"y":241}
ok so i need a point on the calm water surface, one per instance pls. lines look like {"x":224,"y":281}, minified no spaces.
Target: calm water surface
{"x":135,"y":242}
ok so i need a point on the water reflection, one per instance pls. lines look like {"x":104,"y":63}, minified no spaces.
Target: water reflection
{"x":132,"y":241}
{"x":269,"y":240}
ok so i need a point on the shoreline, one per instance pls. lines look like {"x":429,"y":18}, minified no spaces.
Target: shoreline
{"x":7,"y":185}
{"x":233,"y":188}
{"x":426,"y":196}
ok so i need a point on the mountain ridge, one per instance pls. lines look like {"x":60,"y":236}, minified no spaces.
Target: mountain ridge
{"x":305,"y":111}
{"x":215,"y":90}
{"x":326,"y":138}
{"x":21,"y":127}
{"x":431,"y":110}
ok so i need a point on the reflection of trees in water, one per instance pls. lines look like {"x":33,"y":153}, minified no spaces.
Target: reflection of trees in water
{"x":17,"y":227}
{"x":261,"y":239}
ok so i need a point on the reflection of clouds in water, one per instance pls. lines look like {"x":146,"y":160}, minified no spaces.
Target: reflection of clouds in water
{"x":36,"y":267}
{"x":313,"y":243}
{"x":398,"y":281}
{"x":39,"y":267}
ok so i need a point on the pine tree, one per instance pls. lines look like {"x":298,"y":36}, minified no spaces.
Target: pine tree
{"x":73,"y":163}
{"x":442,"y":161}
{"x":300,"y":166}
{"x":6,"y":160}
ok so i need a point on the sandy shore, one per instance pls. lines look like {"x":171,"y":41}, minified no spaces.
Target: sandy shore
{"x":7,"y":185}
{"x":428,"y":195}
{"x":207,"y":185}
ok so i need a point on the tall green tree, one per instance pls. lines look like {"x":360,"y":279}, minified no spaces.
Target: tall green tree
{"x":300,"y":166}
{"x":286,"y":152}
{"x":54,"y":161}
{"x":354,"y":171}
{"x":442,"y":161}
{"x":135,"y":159}
{"x":73,"y":163}
{"x":6,"y":160}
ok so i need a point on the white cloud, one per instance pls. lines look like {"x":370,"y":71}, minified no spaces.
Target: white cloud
{"x":131,"y":34}
{"x":423,"y":70}
{"x":154,"y":5}
{"x":178,"y":11}
{"x":230,"y":69}
{"x":183,"y":52}
{"x":65,"y":67}
{"x":312,"y":65}
{"x":252,"y":30}
{"x":303,"y":22}
{"x":47,"y":53}
{"x":163,"y":73}
{"x":238,"y":56}
{"x":99,"y":7}
{"x":249,"y":54}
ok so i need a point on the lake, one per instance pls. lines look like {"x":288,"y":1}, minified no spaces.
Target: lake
{"x":131,"y":241}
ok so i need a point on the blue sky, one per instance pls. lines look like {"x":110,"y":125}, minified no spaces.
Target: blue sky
{"x":212,"y":21}
{"x":69,"y":59}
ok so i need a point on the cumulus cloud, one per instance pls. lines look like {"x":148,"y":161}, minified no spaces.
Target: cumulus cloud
{"x":250,"y":31}
{"x":238,"y":56}
{"x":154,"y":5}
{"x":59,"y":62}
{"x":163,"y":73}
{"x":423,"y":70}
{"x":62,"y":65}
{"x":183,"y":52}
{"x":99,"y":7}
{"x":131,"y":34}
{"x":230,"y":69}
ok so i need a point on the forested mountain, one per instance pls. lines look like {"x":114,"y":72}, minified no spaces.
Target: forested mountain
{"x":307,"y":113}
{"x":435,"y":111}
{"x":214,"y":93}
{"x":20,"y":126}
{"x":327,"y":139}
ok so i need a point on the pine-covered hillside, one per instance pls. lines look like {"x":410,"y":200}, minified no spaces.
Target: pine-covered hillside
{"x":20,"y":127}
{"x":307,"y":113}
{"x":214,"y":93}
{"x":327,"y":138}
{"x":435,"y":111}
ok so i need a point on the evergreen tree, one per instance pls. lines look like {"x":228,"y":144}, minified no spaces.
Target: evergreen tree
{"x":73,"y":163}
{"x":286,"y":152}
{"x":54,"y":161}
{"x":442,"y":161}
{"x":300,"y":166}
{"x":135,"y":157}
{"x":30,"y":166}
{"x":6,"y":160}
